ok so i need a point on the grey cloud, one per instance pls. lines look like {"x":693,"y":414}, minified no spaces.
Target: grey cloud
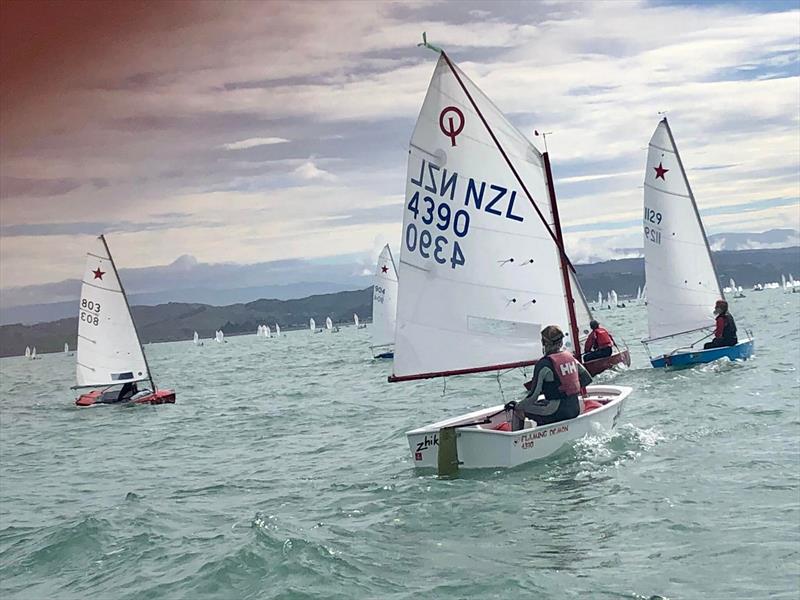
{"x":11,"y":187}
{"x":172,"y":221}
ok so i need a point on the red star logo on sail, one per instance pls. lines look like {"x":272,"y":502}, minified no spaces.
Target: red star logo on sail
{"x":660,"y":170}
{"x":384,"y":269}
{"x":98,"y":274}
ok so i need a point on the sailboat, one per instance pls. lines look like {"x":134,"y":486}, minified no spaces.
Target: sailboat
{"x":482,"y":275}
{"x":110,"y":353}
{"x":680,"y":274}
{"x":28,"y":352}
{"x":196,"y":339}
{"x":737,"y":292}
{"x":33,"y":353}
{"x":277,"y":330}
{"x":359,"y":324}
{"x":599,"y":300}
{"x":329,"y":326}
{"x":267,"y":331}
{"x":66,"y":348}
{"x":384,"y":305}
{"x":219,"y":337}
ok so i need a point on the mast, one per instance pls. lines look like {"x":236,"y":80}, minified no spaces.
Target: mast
{"x":573,"y":322}
{"x":694,"y":206}
{"x":127,"y":304}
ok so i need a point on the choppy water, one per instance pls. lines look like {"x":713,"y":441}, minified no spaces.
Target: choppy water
{"x":283,"y":472}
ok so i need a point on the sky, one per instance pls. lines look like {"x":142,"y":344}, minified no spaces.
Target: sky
{"x":248,"y":132}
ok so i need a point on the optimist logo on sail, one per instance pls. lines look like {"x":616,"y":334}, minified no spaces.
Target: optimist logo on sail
{"x":452,"y":130}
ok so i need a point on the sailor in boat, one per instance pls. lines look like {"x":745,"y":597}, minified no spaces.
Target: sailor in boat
{"x":725,"y":331}
{"x":599,"y":343}
{"x":557,"y":375}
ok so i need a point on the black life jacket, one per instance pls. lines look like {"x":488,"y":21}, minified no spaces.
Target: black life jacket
{"x":729,"y":329}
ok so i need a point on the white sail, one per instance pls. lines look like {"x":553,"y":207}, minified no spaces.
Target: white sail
{"x":783,"y":281}
{"x":33,"y":353}
{"x":614,"y":298}
{"x":267,"y":331}
{"x":277,"y":330}
{"x":328,"y":323}
{"x":196,"y":339}
{"x":27,"y":351}
{"x":384,"y":300}
{"x":638,"y":293}
{"x":312,"y":324}
{"x":109,"y":350}
{"x":733,"y":283}
{"x":355,"y":319}
{"x":599,"y":297}
{"x":66,"y":348}
{"x":219,"y":337}
{"x":682,"y":282}
{"x":480,"y":270}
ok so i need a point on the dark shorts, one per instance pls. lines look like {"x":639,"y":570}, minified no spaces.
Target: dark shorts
{"x":601,"y":353}
{"x":719,"y":343}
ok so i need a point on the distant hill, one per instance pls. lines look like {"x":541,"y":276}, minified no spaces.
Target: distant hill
{"x":178,"y":320}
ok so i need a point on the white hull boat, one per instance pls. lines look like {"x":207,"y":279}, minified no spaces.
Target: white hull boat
{"x":480,"y":445}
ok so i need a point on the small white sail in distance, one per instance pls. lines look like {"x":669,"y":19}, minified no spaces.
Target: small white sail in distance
{"x":277,"y":330}
{"x":312,"y":324}
{"x":682,"y":283}
{"x":480,"y":269}
{"x":384,"y":300}
{"x":355,"y":319}
{"x":33,"y":353}
{"x":66,"y":347}
{"x":27,"y":351}
{"x":109,"y":350}
{"x":328,"y":323}
{"x":267,"y":331}
{"x":196,"y":339}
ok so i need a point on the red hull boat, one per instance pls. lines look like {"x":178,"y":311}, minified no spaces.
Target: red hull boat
{"x":110,"y":397}
{"x":599,"y":365}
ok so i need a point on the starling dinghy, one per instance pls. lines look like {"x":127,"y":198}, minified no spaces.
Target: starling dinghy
{"x":682,"y":283}
{"x":384,"y":305}
{"x":483,"y":273}
{"x":110,"y":353}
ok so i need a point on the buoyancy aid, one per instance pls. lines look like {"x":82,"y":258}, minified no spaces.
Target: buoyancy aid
{"x":565,"y":368}
{"x":602,"y":338}
{"x":729,"y":328}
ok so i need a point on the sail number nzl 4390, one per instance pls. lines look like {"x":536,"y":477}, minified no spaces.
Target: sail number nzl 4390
{"x":437,"y":224}
{"x":90,"y":311}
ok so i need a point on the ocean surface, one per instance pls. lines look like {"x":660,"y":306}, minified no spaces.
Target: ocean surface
{"x":283,"y":472}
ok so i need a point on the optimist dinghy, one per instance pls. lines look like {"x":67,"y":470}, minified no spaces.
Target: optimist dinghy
{"x":483,"y":273}
{"x":110,"y":353}
{"x":682,"y":282}
{"x":384,"y":305}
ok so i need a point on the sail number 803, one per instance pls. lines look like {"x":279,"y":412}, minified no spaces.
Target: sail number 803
{"x":89,"y":311}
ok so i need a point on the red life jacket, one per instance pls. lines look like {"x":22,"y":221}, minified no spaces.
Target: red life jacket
{"x":565,"y":368}
{"x":602,"y":338}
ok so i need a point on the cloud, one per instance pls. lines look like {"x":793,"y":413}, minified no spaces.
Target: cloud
{"x":311,"y":172}
{"x":254,"y":143}
{"x":236,"y":115}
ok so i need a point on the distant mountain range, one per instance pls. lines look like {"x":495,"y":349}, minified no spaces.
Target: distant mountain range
{"x":178,"y":320}
{"x":187,"y":280}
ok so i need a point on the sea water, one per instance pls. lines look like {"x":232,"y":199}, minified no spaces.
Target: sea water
{"x":283,"y":472}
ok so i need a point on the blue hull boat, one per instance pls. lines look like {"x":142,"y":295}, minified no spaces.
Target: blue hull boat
{"x":385,"y":355}
{"x":741,"y":351}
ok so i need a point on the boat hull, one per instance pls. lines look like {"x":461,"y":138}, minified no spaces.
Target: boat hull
{"x":95,"y":397}
{"x":741,"y":351}
{"x":481,"y":446}
{"x":597,"y":366}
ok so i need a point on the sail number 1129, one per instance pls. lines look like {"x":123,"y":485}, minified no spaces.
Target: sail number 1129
{"x":652,"y":217}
